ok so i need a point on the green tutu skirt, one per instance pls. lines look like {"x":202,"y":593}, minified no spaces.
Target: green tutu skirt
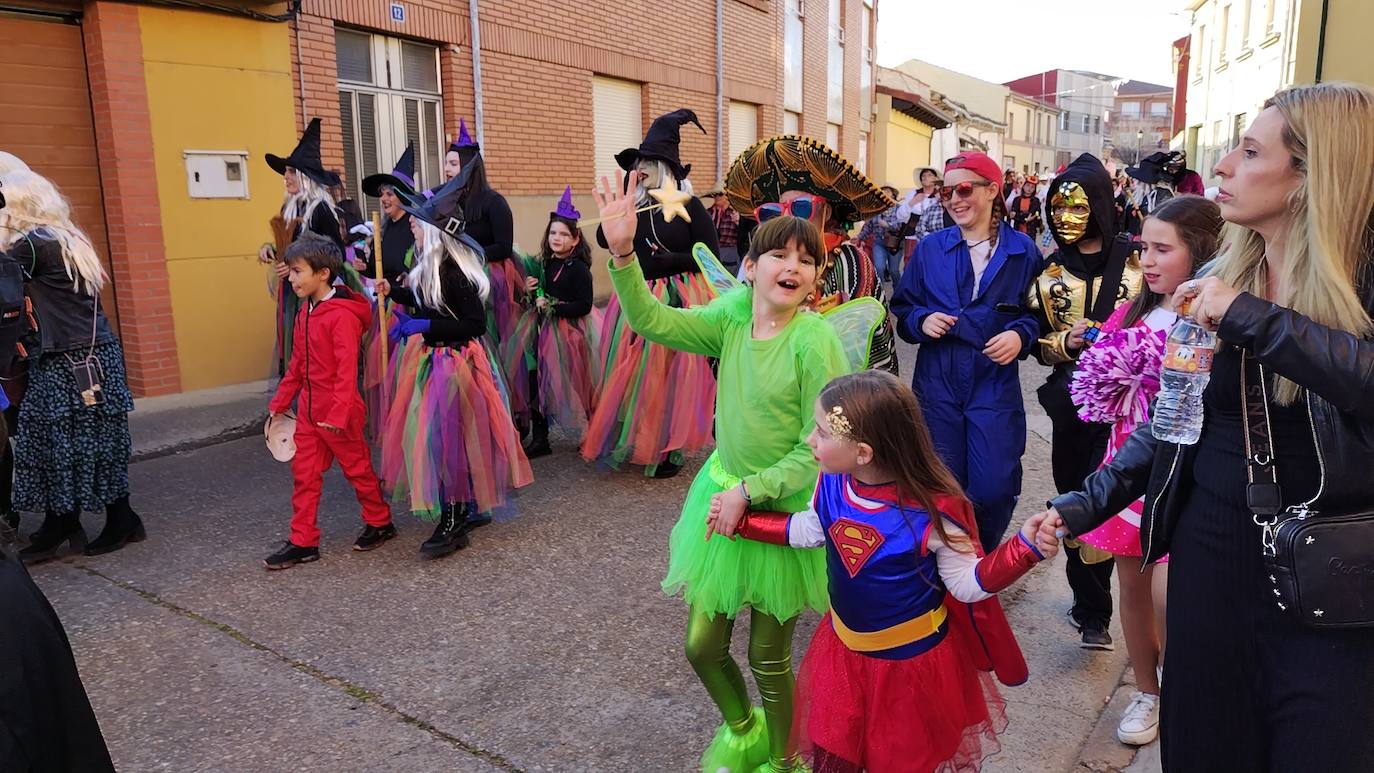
{"x":723,"y":575}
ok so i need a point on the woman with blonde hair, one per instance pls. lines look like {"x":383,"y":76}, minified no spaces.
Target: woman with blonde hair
{"x":72,"y":445}
{"x":1255,"y":680}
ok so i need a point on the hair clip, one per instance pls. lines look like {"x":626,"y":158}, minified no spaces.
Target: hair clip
{"x":838,"y":423}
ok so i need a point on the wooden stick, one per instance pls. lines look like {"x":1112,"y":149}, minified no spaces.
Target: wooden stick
{"x":599,"y":220}
{"x":381,"y":302}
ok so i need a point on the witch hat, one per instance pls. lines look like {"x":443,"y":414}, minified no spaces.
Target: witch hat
{"x":565,"y":208}
{"x":443,"y":208}
{"x":1151,"y":169}
{"x":660,"y":144}
{"x":305,"y":158}
{"x":402,"y":177}
{"x":464,"y":140}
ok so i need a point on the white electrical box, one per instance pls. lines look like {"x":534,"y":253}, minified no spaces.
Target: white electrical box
{"x":217,"y":174}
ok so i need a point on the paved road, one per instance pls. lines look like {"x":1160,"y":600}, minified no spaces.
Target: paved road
{"x":546,"y":646}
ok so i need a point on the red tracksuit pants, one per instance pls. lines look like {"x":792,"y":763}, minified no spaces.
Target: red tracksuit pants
{"x":316,"y":450}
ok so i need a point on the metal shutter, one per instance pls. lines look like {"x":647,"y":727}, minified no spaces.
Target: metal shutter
{"x":617,"y":121}
{"x":45,"y":99}
{"x":744,"y":127}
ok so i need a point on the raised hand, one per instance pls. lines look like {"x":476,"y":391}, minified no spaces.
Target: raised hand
{"x":618,"y":219}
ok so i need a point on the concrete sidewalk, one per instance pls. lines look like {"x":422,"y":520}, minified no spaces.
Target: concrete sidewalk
{"x":182,"y":422}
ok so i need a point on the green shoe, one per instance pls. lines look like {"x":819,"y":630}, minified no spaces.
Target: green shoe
{"x":738,"y":752}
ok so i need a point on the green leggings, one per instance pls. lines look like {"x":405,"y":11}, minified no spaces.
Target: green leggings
{"x":770,"y":658}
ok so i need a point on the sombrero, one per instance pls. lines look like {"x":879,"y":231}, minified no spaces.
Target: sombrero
{"x":769,"y":167}
{"x":280,"y":432}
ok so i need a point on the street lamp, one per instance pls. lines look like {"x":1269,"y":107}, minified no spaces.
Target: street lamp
{"x":1139,"y":137}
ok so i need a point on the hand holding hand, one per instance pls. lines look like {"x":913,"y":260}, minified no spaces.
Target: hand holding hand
{"x":1036,"y":533}
{"x":727,"y":510}
{"x":937,"y":324}
{"x":1051,"y":527}
{"x":618,"y":219}
{"x":1003,"y":347}
{"x":1207,"y":300}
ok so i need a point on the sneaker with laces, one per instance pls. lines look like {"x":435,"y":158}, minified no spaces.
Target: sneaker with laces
{"x":372,"y":537}
{"x":1140,"y":722}
{"x":1095,"y":637}
{"x":289,"y":555}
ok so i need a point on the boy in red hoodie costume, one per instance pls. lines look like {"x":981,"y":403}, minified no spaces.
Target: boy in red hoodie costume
{"x":329,"y":425}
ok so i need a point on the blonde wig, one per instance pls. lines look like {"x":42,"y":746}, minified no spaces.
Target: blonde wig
{"x":32,"y":203}
{"x":11,"y":163}
{"x":439,"y":247}
{"x":1329,"y":132}
{"x":302,"y":204}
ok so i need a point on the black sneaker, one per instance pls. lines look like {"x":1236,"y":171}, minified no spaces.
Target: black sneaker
{"x":372,"y":537}
{"x":289,"y":555}
{"x":1095,"y":637}
{"x":666,"y":469}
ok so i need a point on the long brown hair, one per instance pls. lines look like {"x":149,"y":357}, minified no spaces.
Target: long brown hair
{"x":1198,"y":223}
{"x":883,"y":413}
{"x":582,"y":251}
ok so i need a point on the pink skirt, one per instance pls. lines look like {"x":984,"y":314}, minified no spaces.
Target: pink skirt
{"x":1120,"y":534}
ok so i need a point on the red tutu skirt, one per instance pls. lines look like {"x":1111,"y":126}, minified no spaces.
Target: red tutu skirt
{"x":653,"y":399}
{"x":448,"y":435}
{"x":563,"y":354}
{"x":933,"y":712}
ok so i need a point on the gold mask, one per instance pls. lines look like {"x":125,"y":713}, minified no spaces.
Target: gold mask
{"x":1070,"y":211}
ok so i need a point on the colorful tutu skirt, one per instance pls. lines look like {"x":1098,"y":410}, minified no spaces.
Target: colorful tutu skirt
{"x":722,"y":576}
{"x":653,"y":399}
{"x":448,"y":436}
{"x":379,"y":386}
{"x":932,"y":712}
{"x":503,"y":308}
{"x":562,"y":355}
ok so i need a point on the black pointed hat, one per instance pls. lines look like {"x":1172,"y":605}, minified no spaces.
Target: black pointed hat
{"x":402,"y":177}
{"x":1151,"y":169}
{"x":660,"y":144}
{"x":443,"y":208}
{"x":305,"y":158}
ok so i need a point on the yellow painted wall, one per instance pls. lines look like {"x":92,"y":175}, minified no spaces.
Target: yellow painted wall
{"x":903,"y":144}
{"x":1347,"y":56}
{"x":217,"y":82}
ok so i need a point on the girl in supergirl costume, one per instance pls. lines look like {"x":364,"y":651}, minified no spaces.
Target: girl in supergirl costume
{"x":774,"y":359}
{"x":449,"y":448}
{"x":894,"y":680}
{"x":550,"y":365}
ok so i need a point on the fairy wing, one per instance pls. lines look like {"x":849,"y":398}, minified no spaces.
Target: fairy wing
{"x":722,"y":281}
{"x":856,"y":322}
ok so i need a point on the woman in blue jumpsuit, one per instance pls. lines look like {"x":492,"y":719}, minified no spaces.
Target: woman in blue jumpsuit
{"x":961,"y":300}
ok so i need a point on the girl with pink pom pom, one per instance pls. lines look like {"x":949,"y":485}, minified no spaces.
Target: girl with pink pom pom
{"x":1116,"y":380}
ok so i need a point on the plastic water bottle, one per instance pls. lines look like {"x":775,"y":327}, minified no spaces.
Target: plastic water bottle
{"x":1183,"y":374}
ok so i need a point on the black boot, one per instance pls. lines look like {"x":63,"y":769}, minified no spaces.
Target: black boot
{"x":55,"y":530}
{"x":122,"y":526}
{"x":536,"y":443}
{"x":450,"y":535}
{"x":667,"y":468}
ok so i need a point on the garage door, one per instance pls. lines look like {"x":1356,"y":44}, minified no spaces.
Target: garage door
{"x":46,"y":103}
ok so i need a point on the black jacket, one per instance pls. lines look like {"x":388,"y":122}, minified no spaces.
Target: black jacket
{"x":64,"y":313}
{"x":570,"y":283}
{"x":665,"y":249}
{"x":490,"y":224}
{"x":1336,"y":367}
{"x":463,"y":320}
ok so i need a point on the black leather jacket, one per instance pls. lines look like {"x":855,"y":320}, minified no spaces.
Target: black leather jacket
{"x":68,"y":318}
{"x":1335,"y":368}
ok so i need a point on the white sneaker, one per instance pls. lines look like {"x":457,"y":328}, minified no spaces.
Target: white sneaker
{"x":1140,"y":722}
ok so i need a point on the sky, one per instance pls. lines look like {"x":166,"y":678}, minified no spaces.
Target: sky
{"x":1124,"y":38}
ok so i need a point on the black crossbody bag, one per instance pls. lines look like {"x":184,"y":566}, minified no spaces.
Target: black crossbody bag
{"x":1320,"y":564}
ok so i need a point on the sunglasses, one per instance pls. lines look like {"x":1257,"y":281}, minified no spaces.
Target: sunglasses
{"x":962,"y":190}
{"x":803,"y":207}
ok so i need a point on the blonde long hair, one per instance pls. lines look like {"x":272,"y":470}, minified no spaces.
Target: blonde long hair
{"x":438,"y":247}
{"x":302,"y":204}
{"x":32,"y":202}
{"x":1329,"y":131}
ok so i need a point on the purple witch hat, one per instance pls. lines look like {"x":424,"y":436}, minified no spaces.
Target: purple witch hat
{"x":565,"y":207}
{"x":464,"y":140}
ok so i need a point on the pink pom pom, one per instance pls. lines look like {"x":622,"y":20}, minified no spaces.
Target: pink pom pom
{"x":1118,"y":376}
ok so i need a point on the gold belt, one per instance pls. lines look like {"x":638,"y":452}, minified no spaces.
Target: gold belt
{"x":891,"y":637}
